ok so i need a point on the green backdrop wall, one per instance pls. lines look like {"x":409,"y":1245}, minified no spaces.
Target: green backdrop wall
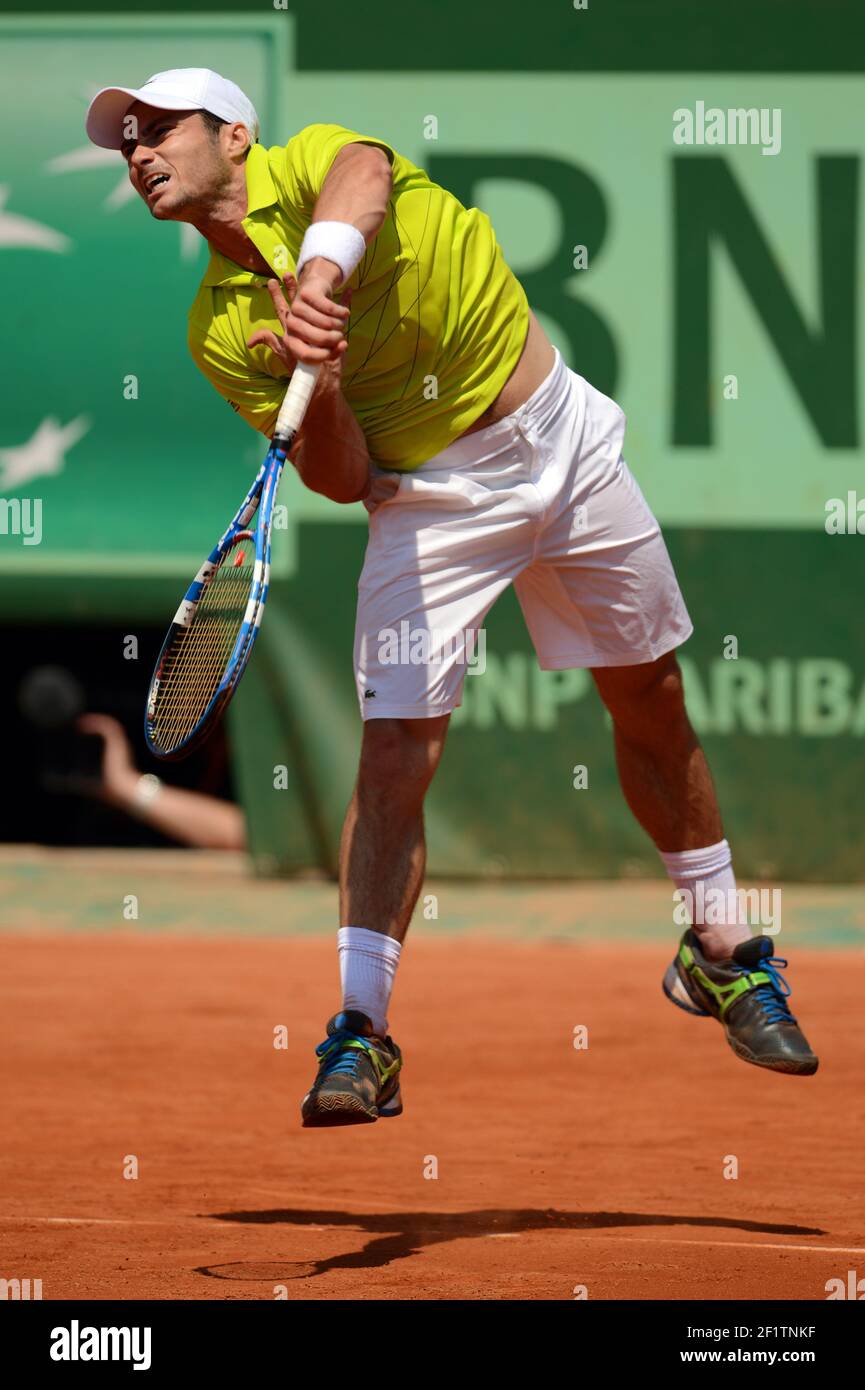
{"x":720,"y":303}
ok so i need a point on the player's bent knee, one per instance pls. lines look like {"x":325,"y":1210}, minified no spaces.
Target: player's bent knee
{"x":399,"y":756}
{"x":647,"y":699}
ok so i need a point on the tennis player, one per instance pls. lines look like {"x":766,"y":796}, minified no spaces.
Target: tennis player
{"x":483,"y":461}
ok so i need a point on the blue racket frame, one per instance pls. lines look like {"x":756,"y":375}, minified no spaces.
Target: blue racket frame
{"x":261,"y":496}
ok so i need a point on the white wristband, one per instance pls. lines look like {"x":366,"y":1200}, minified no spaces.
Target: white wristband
{"x":339,"y":242}
{"x":147,"y":788}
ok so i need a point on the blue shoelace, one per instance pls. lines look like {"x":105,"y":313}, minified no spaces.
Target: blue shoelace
{"x":773,"y":996}
{"x":342,"y":1061}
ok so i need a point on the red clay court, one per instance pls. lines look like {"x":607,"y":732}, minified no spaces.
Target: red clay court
{"x":558,"y":1168}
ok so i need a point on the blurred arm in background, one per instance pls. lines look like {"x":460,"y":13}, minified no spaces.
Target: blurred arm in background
{"x":191,"y":817}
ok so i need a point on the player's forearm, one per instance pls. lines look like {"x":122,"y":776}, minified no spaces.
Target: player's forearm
{"x":356,"y":190}
{"x":330,"y":453}
{"x":204,"y":821}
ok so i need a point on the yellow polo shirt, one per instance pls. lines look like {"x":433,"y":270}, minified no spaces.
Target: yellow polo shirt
{"x":438,"y":320}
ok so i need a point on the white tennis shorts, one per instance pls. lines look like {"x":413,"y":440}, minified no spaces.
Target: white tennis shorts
{"x":541,"y":499}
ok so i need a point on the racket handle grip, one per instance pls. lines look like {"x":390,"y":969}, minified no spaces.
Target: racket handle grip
{"x":294,"y":403}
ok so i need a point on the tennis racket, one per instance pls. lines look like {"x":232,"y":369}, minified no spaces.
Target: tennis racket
{"x":214,"y":629}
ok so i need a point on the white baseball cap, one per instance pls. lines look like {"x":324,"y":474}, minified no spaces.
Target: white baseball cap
{"x":179,"y":89}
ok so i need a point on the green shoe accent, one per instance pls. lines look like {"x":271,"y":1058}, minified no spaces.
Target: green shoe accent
{"x":383,"y":1073}
{"x":725,"y":995}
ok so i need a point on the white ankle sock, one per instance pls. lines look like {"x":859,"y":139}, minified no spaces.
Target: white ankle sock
{"x":713,"y":867}
{"x":367,"y":966}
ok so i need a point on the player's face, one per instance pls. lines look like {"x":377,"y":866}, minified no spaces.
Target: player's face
{"x":175,"y":164}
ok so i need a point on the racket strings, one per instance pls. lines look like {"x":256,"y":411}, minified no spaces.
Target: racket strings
{"x":196,"y":663}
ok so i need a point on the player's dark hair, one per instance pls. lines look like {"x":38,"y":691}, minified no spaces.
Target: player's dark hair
{"x":213,"y":125}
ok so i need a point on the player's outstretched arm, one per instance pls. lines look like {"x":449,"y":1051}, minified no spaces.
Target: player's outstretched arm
{"x":355,"y":194}
{"x":330,"y":451}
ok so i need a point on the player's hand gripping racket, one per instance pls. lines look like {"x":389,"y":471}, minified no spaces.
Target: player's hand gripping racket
{"x":209,"y":642}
